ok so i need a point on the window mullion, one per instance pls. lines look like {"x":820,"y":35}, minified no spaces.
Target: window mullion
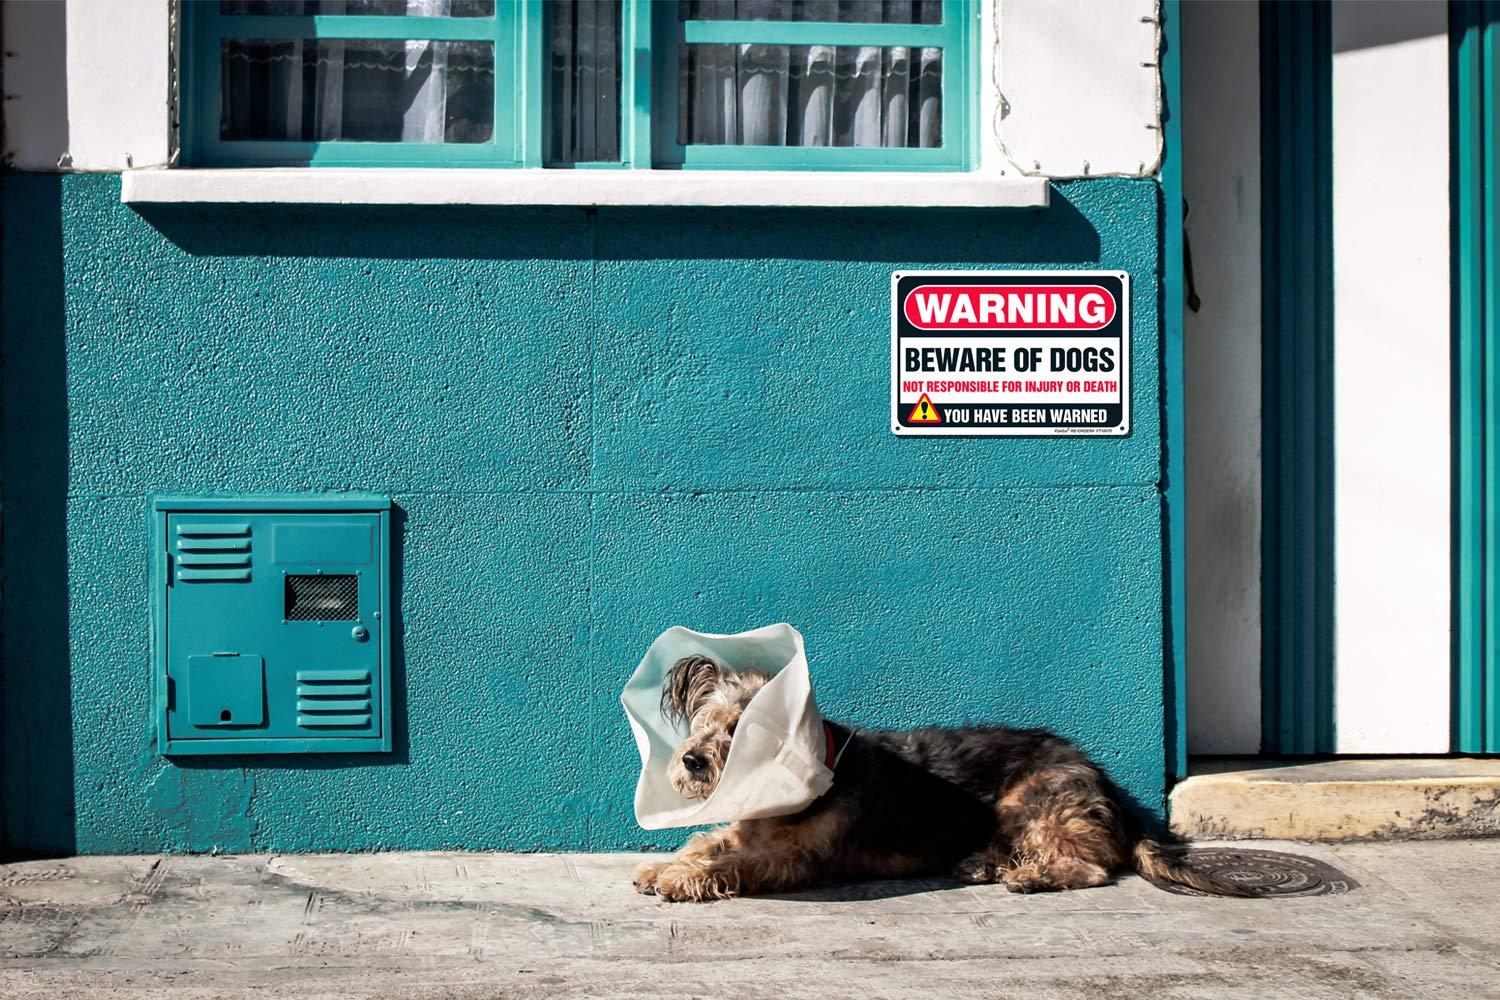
{"x":636,"y":56}
{"x":816,"y":33}
{"x":665,"y":34}
{"x":347,"y":26}
{"x":529,"y":84}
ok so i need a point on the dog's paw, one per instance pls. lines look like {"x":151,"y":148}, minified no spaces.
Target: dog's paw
{"x":685,"y":884}
{"x":646,"y":875}
{"x":1025,"y":881}
{"x":975,"y":870}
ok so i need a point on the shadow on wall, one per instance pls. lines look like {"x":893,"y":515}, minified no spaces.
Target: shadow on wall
{"x":1366,"y":24}
{"x":1059,"y":234}
{"x":36,"y":712}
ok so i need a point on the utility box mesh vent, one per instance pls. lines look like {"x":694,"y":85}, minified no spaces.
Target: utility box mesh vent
{"x":328,"y":597}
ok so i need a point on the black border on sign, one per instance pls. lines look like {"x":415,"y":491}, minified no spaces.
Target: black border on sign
{"x":946,"y":430}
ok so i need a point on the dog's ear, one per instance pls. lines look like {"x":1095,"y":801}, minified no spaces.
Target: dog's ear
{"x":691,"y":680}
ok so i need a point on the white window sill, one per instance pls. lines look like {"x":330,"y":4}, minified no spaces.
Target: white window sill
{"x":464,"y":186}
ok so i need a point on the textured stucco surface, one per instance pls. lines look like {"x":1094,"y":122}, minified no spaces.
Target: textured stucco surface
{"x":594,"y":425}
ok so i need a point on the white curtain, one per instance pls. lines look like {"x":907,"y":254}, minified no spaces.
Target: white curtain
{"x":811,"y":95}
{"x":426,"y":80}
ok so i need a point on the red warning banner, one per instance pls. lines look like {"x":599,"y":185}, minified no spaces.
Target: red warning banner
{"x":1010,"y":307}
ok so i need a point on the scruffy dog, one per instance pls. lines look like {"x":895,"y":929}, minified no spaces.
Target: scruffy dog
{"x":1018,"y":806}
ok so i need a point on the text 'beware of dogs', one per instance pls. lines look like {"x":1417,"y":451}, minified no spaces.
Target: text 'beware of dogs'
{"x":1007,"y":353}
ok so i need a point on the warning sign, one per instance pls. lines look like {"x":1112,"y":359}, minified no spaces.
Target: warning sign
{"x":1010,"y":353}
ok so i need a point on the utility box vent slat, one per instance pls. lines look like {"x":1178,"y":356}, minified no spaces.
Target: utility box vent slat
{"x":213,"y":545}
{"x":333,"y":676}
{"x":213,"y":553}
{"x":220,"y":575}
{"x":332,"y":699}
{"x":211,"y":529}
{"x":332,"y":721}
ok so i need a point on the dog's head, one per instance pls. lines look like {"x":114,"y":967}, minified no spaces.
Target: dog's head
{"x":710,"y":699}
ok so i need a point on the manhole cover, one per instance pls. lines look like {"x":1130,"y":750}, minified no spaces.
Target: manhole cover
{"x":1264,"y":873}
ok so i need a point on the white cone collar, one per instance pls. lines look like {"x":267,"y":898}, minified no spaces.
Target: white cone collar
{"x":776,"y":762}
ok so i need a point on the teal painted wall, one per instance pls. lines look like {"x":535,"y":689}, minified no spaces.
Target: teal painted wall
{"x":595,"y":424}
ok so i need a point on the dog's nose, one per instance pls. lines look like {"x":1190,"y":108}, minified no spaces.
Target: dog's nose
{"x":694,"y":761}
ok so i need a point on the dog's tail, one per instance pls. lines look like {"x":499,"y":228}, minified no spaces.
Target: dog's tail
{"x":1153,"y":861}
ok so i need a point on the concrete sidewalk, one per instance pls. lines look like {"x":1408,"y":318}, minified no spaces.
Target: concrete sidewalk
{"x":1423,"y":921}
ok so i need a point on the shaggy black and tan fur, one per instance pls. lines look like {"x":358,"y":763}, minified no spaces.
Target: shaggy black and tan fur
{"x":1023,"y":807}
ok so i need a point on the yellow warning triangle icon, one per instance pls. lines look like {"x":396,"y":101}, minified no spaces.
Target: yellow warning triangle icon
{"x":924,"y":412}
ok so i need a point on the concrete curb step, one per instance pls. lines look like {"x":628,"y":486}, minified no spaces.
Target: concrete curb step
{"x":1339,"y":800}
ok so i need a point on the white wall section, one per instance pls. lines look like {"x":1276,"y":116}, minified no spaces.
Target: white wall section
{"x":36,"y":84}
{"x":118,"y":114}
{"x":1391,"y":383}
{"x":1221,"y":181}
{"x":86,"y":84}
{"x":1079,"y":87}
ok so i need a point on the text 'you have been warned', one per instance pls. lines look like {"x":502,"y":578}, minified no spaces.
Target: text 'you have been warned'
{"x":1009,"y":353}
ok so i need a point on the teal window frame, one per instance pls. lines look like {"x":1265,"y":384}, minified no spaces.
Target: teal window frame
{"x":510,"y":30}
{"x":651,"y":34}
{"x":956,"y":35}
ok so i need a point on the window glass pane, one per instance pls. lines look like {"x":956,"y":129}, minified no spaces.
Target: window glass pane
{"x":810,"y":95}
{"x":849,"y":11}
{"x":357,"y":90}
{"x":583,"y":81}
{"x":384,"y":8}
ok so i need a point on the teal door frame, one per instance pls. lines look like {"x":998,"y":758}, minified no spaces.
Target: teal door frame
{"x":1297,"y":370}
{"x":1297,"y":377}
{"x":1475,"y":119}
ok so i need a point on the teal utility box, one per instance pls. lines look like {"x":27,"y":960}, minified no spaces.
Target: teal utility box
{"x":271,"y":621}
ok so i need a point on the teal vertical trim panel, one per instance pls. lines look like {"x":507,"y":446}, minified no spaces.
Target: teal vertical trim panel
{"x":1475,"y":121}
{"x":1466,"y":103}
{"x":1491,"y":350}
{"x":1174,"y":433}
{"x":1297,"y":378}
